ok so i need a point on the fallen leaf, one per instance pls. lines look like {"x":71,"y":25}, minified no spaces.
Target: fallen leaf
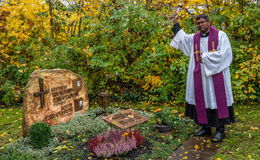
{"x":2,"y":135}
{"x":58,"y":148}
{"x":254,"y":128}
{"x":181,"y":115}
{"x":196,"y":147}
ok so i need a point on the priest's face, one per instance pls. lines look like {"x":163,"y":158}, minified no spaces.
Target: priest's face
{"x":203,"y":25}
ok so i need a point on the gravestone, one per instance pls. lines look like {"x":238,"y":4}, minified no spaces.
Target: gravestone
{"x":53,"y":96}
{"x":125,"y":119}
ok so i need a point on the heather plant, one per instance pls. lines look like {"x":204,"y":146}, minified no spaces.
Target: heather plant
{"x":115,"y":142}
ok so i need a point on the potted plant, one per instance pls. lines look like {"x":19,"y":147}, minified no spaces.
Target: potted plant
{"x":164,"y":119}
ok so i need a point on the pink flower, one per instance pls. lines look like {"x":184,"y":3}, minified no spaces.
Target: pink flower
{"x":115,"y":142}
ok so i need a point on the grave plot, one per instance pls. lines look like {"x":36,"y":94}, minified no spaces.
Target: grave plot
{"x":71,"y":140}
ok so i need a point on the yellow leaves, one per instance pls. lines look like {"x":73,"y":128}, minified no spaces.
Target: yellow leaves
{"x":146,"y":103}
{"x":254,"y":128}
{"x":249,"y":135}
{"x":152,"y":82}
{"x":250,"y":89}
{"x":21,"y":22}
{"x":196,"y":147}
{"x":3,"y":134}
{"x":74,"y":17}
{"x":181,"y":115}
{"x":68,"y":131}
{"x":153,"y":50}
{"x":87,"y":51}
{"x":58,"y":148}
{"x":61,"y":147}
{"x":185,"y":157}
{"x":125,"y":134}
{"x":157,"y":110}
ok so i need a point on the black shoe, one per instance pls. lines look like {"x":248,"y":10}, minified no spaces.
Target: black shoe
{"x":218,"y":137}
{"x":203,"y":131}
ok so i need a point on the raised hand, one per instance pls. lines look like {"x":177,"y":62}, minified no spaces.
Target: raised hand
{"x":175,"y":18}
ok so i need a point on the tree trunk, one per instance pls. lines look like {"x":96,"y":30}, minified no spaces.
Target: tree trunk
{"x":51,"y":19}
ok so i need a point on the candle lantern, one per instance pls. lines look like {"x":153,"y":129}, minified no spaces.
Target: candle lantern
{"x":104,"y":100}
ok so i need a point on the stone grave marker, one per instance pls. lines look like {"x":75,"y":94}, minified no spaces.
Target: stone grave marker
{"x":53,"y":96}
{"x":125,"y":119}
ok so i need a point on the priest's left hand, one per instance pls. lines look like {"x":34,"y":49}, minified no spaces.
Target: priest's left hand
{"x":200,"y":59}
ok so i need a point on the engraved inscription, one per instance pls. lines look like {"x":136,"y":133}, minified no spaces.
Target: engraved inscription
{"x":66,"y":110}
{"x":61,"y":93}
{"x":125,"y":119}
{"x":119,"y":116}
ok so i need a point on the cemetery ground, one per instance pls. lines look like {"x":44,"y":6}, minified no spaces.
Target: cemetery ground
{"x":242,"y":142}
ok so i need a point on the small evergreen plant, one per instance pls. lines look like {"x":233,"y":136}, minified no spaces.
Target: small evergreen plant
{"x":165,"y":117}
{"x":40,"y":134}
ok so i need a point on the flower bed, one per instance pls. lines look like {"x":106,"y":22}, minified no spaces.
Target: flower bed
{"x":70,"y":140}
{"x":115,"y":142}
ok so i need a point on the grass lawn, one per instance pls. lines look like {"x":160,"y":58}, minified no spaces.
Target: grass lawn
{"x":243,"y":139}
{"x":10,"y":125}
{"x":242,"y":142}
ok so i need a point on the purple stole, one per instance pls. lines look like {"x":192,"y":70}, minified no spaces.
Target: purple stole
{"x":218,"y":81}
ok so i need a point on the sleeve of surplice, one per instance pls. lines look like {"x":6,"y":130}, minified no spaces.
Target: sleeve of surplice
{"x":216,"y":62}
{"x":183,"y":41}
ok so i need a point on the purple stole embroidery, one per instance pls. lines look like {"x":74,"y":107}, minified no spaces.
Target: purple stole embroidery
{"x":218,"y":81}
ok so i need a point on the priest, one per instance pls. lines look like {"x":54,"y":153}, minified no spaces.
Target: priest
{"x":209,"y":99}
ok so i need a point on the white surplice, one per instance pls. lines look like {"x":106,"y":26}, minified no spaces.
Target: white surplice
{"x":212,"y":63}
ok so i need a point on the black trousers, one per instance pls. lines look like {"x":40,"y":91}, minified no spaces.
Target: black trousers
{"x":212,"y":115}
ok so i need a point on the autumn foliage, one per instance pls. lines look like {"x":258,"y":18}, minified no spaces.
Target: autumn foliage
{"x":121,"y":46}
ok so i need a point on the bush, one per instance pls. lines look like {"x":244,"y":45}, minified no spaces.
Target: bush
{"x":165,"y":117}
{"x":122,"y":47}
{"x":40,"y":135}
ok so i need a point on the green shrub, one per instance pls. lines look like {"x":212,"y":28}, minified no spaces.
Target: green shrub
{"x":40,"y":134}
{"x":165,"y":117}
{"x":12,"y":81}
{"x":125,"y":50}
